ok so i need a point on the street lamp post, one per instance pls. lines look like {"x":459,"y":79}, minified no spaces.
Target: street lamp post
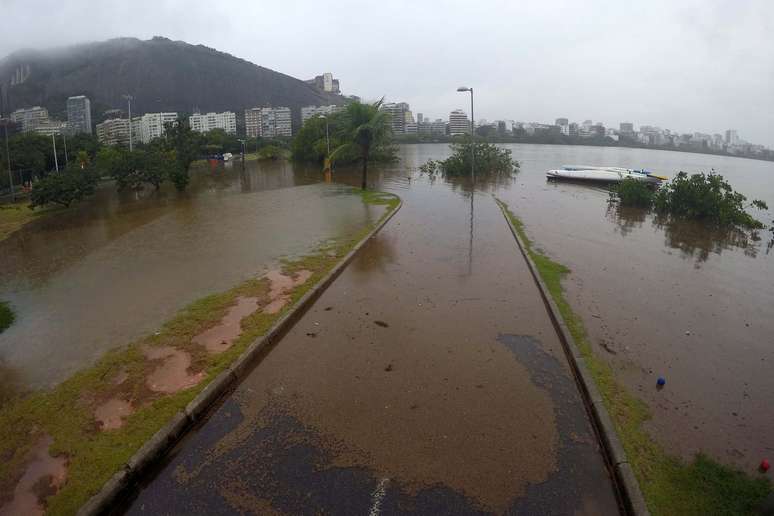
{"x":129,"y":103}
{"x":56,"y":161}
{"x":64,"y":137}
{"x":472,"y":133}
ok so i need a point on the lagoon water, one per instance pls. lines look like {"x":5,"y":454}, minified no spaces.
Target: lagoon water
{"x":658,"y":298}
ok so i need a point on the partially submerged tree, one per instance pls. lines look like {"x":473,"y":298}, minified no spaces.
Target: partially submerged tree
{"x":470,"y":156}
{"x":364,"y":127}
{"x":64,"y":188}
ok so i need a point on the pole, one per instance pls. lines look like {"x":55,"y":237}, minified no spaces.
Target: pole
{"x":8,"y":155}
{"x":129,"y":102}
{"x":56,"y":162}
{"x":64,"y":137}
{"x":472,"y":142}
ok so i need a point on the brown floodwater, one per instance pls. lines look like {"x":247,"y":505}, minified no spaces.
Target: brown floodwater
{"x":112,"y":270}
{"x":427,"y":379}
{"x":43,"y":476}
{"x":671,"y":299}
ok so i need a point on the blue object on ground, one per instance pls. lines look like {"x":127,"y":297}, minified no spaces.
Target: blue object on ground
{"x":661,"y":381}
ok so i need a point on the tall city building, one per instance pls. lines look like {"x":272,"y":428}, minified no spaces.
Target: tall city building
{"x":79,"y":115}
{"x":326,"y":82}
{"x":459,"y":122}
{"x":308,"y":112}
{"x":151,"y":125}
{"x":203,"y":123}
{"x":114,"y":131}
{"x":626,"y":128}
{"x":732,"y":137}
{"x":29,"y":119}
{"x":398,"y":115}
{"x":268,"y":122}
{"x":420,"y":118}
{"x":564,"y":126}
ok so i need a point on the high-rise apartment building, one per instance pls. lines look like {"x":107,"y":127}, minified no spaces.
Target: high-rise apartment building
{"x":114,"y":131}
{"x":458,"y":122}
{"x":79,"y":115}
{"x":30,"y":118}
{"x":308,"y":112}
{"x":268,"y":122}
{"x":203,"y":123}
{"x":151,"y":125}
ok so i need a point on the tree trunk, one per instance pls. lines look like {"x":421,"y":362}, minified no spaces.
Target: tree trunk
{"x":364,"y":184}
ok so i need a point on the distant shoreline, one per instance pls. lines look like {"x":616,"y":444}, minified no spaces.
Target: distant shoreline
{"x":404,"y":141}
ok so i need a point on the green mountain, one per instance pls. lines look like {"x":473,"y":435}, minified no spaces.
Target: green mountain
{"x":161,"y":75}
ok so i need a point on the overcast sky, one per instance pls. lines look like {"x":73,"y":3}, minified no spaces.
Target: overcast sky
{"x":686,"y":65}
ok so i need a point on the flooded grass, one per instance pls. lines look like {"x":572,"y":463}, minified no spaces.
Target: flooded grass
{"x":68,"y":413}
{"x":670,"y":485}
{"x":15,"y":216}
{"x":6,"y":316}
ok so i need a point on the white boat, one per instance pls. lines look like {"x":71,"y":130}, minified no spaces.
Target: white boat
{"x":228,"y":156}
{"x":603,"y":174}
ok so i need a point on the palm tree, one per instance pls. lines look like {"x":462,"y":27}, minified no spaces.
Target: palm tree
{"x":365,"y":125}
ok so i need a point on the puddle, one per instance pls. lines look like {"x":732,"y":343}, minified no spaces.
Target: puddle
{"x":219,"y":338}
{"x":111,"y":414}
{"x":172,"y":375}
{"x":281,"y":285}
{"x":42,"y":478}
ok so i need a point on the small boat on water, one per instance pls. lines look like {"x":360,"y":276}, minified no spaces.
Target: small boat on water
{"x":603,"y":174}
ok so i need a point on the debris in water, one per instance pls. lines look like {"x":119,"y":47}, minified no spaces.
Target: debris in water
{"x":381,"y":323}
{"x":687,"y":332}
{"x":765,"y":465}
{"x":661,"y":381}
{"x":311,"y":334}
{"x":388,"y":368}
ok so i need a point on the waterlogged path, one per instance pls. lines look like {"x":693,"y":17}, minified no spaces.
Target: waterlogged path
{"x":427,"y":379}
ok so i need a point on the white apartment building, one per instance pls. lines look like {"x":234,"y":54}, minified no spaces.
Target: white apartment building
{"x":458,"y":122}
{"x":114,"y":131}
{"x":30,"y":118}
{"x":268,"y":122}
{"x":308,"y":112}
{"x":151,"y":125}
{"x":207,"y":122}
{"x":79,"y":114}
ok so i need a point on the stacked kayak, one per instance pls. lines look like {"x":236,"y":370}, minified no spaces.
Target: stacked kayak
{"x":603,"y":174}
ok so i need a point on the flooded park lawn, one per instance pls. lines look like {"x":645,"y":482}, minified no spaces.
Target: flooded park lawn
{"x":428,"y":307}
{"x":106,"y":272}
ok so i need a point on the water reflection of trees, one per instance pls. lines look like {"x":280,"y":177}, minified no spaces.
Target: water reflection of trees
{"x":694,"y":239}
{"x":482,"y":183}
{"x":626,"y":218}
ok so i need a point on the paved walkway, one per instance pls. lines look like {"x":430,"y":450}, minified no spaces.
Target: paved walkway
{"x":427,"y":379}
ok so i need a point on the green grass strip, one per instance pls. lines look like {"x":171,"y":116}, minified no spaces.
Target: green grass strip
{"x":670,"y":486}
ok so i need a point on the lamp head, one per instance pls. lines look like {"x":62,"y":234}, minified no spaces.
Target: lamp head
{"x":463,"y":88}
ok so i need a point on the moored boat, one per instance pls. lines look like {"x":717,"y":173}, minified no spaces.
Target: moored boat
{"x":603,"y":174}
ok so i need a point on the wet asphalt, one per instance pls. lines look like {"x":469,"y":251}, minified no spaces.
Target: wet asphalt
{"x":427,"y":379}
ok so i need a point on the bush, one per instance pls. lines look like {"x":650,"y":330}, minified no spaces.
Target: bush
{"x":489,"y":159}
{"x":6,"y":316}
{"x":631,"y":192}
{"x":64,"y":188}
{"x":706,"y":197}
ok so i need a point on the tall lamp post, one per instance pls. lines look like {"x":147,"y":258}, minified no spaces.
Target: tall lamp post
{"x":129,"y":103}
{"x":472,"y":132}
{"x":472,"y":176}
{"x":56,"y":161}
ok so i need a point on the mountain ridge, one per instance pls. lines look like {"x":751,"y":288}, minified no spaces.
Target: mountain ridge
{"x":161,"y":75}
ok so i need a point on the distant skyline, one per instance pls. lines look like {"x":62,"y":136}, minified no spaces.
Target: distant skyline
{"x":689,"y":66}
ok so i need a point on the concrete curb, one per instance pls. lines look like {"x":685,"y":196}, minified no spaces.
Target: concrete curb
{"x":158,"y":445}
{"x":628,"y":486}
